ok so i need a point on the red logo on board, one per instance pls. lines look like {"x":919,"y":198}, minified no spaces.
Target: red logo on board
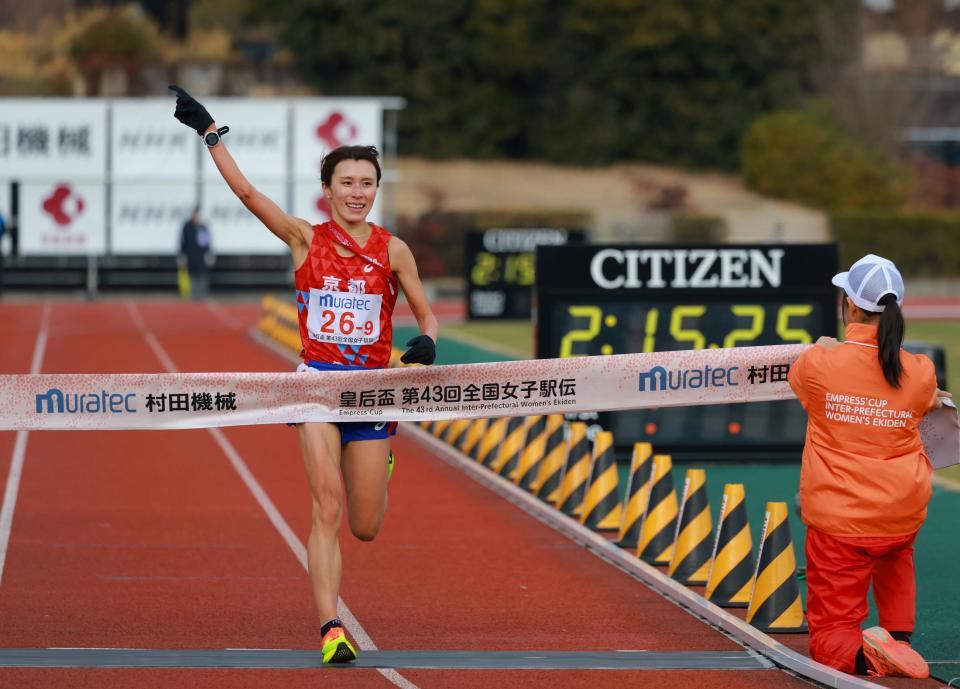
{"x":337,"y":130}
{"x":64,"y":205}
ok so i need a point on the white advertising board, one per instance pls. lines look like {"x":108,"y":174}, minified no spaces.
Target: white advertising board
{"x":322,"y":124}
{"x":5,"y":217}
{"x":58,"y":149}
{"x":147,"y":217}
{"x":148,"y":143}
{"x":258,"y":137}
{"x":62,"y":218}
{"x":59,"y":138}
{"x":310,"y":203}
{"x":233,"y":228}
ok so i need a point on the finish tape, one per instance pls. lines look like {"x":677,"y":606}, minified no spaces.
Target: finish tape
{"x":507,"y":388}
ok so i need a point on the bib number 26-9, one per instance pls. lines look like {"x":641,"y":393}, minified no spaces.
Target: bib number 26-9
{"x":344,"y":317}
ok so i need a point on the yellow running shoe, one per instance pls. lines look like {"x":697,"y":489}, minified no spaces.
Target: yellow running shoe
{"x":336,"y":648}
{"x":390,"y":465}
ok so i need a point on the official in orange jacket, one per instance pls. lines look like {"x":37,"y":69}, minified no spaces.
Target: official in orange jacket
{"x":865,"y":480}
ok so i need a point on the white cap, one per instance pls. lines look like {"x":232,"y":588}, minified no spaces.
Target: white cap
{"x":868,"y":280}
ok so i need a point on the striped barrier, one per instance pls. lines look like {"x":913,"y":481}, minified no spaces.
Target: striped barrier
{"x":638,"y":494}
{"x":526,"y":471}
{"x":473,"y":437}
{"x":665,"y":535}
{"x":550,"y":473}
{"x":456,"y":431}
{"x":601,"y":504}
{"x":280,"y":322}
{"x":775,"y":600}
{"x":492,"y":438}
{"x":439,"y":427}
{"x":731,"y":575}
{"x":690,"y":564}
{"x":508,"y":454}
{"x":587,"y":486}
{"x":573,"y":487}
{"x":660,"y":520}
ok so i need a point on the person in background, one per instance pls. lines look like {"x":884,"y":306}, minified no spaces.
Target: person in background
{"x":196,"y":253}
{"x":865,"y":479}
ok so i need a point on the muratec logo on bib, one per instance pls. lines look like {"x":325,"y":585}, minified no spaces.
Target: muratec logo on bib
{"x":348,"y":301}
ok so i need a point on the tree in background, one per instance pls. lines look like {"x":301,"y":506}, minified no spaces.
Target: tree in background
{"x":573,"y":81}
{"x":673,"y":82}
{"x":807,"y":156}
{"x":110,"y":47}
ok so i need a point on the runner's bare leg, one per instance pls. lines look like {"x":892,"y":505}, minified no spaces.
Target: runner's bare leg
{"x":364,"y":466}
{"x":320,"y":446}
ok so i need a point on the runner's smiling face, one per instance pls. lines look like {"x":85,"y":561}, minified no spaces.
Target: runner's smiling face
{"x":352,"y":191}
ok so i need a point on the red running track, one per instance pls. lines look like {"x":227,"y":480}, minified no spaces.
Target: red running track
{"x":151,"y":540}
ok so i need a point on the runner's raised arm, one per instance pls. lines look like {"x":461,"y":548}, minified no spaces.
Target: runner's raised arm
{"x":294,"y":232}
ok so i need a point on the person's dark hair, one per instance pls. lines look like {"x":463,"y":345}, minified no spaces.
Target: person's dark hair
{"x":338,"y":155}
{"x":890,"y":339}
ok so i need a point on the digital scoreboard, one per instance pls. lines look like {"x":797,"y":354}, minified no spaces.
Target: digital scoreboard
{"x":595,"y":300}
{"x":500,"y":268}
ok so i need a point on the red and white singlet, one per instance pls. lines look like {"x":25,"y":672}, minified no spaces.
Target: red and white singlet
{"x":345,"y":303}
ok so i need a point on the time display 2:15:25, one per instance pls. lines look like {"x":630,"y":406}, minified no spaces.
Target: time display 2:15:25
{"x":584,"y":329}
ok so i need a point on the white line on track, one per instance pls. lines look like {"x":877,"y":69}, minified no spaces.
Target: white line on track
{"x":20,"y":447}
{"x":225,"y":318}
{"x":273,"y":514}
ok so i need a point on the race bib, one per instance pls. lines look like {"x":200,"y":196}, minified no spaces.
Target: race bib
{"x":344,"y":318}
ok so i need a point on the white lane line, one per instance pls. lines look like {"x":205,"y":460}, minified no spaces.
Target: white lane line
{"x":270,"y":509}
{"x":151,"y":340}
{"x":20,"y":447}
{"x":225,"y":318}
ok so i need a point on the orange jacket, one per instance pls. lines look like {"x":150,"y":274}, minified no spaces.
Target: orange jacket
{"x":865,"y":471}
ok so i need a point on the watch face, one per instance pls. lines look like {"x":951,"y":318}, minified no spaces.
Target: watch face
{"x":211,"y":138}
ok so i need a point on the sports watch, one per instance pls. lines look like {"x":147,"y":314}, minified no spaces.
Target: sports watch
{"x":211,"y":139}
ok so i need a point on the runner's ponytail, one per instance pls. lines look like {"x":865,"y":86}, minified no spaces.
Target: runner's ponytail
{"x":890,"y":339}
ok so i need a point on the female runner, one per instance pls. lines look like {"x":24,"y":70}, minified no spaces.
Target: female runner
{"x":346,"y":275}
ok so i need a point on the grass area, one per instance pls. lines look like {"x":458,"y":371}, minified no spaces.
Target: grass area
{"x":951,"y":474}
{"x":515,"y":337}
{"x":947,"y":335}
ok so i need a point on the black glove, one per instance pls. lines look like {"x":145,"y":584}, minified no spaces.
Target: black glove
{"x":190,"y":112}
{"x":422,"y":350}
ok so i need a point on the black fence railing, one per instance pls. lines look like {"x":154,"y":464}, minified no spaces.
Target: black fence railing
{"x":231,"y":273}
